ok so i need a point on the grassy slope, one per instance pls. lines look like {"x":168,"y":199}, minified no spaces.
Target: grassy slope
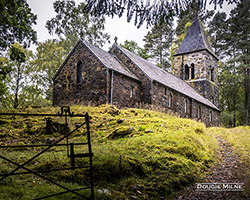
{"x":173,"y":153}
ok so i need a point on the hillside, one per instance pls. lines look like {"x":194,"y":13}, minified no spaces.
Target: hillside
{"x":138,"y":153}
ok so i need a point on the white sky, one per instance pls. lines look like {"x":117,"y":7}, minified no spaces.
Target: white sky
{"x":118,"y":27}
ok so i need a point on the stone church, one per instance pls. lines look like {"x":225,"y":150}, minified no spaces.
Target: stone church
{"x":119,"y":77}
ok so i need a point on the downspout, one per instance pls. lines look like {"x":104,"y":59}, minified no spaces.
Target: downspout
{"x":111,"y":87}
{"x":191,"y":105}
{"x":181,"y":76}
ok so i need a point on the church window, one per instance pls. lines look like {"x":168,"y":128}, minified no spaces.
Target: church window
{"x":213,"y":99}
{"x":131,"y":91}
{"x":210,"y":116}
{"x":186,"y":77}
{"x":79,"y":72}
{"x":199,"y":112}
{"x":165,"y":91}
{"x":185,"y":106}
{"x":170,"y":100}
{"x":192,"y":71}
{"x":211,"y":74}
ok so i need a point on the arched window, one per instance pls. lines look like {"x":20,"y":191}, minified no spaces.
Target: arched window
{"x":186,"y":77}
{"x":211,"y":73}
{"x":213,"y":99}
{"x":170,"y":100}
{"x":210,"y":116}
{"x":185,"y":106}
{"x":199,"y":112}
{"x":165,"y":91}
{"x":192,"y":71}
{"x":131,"y":91}
{"x":79,"y":72}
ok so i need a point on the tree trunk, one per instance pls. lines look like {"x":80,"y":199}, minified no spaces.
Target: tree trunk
{"x":16,"y":102}
{"x":234,"y":118}
{"x":247,"y":94}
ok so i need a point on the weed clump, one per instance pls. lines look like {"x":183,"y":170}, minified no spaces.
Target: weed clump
{"x":142,"y":128}
{"x":121,"y":132}
{"x":199,"y":130}
{"x":112,"y":110}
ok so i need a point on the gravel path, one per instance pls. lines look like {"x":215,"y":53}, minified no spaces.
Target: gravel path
{"x":227,"y":170}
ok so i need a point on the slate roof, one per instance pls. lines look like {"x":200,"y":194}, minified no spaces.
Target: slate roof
{"x":195,"y":40}
{"x":159,"y":75}
{"x":108,"y":60}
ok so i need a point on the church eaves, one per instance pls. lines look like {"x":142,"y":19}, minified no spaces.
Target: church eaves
{"x":195,"y":40}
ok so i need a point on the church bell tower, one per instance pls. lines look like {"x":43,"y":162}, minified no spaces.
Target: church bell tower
{"x":196,"y":63}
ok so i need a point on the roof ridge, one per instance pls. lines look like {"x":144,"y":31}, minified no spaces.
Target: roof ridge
{"x":89,"y":46}
{"x":122,"y":64}
{"x":122,"y":48}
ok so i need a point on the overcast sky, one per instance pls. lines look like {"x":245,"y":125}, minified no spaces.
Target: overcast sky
{"x":118,"y":27}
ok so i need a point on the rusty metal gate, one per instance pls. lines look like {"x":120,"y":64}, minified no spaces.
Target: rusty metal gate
{"x":65,"y":112}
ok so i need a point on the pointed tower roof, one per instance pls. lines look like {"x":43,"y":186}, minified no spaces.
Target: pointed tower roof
{"x":195,"y":40}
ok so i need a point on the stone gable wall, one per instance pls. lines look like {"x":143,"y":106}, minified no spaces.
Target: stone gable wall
{"x":161,"y":99}
{"x":94,"y":76}
{"x":122,"y":87}
{"x":96,"y":83}
{"x":146,"y":82}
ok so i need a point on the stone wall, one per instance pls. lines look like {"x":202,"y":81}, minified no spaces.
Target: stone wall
{"x":203,"y":61}
{"x":146,"y":82}
{"x":207,"y":89}
{"x":184,"y":106}
{"x":126,"y":92}
{"x":91,"y":89}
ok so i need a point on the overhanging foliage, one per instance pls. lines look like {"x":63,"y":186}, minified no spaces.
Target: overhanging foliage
{"x":149,"y":11}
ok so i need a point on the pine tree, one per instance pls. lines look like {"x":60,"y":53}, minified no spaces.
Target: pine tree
{"x":158,"y":42}
{"x":239,"y":39}
{"x":218,"y":34}
{"x":230,"y":98}
{"x":144,"y":11}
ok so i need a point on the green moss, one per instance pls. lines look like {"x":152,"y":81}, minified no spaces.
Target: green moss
{"x":199,"y":130}
{"x":142,"y":128}
{"x":112,"y":110}
{"x":163,"y":161}
{"x":121,"y":132}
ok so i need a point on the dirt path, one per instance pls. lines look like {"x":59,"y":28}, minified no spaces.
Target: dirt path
{"x":227,"y":170}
